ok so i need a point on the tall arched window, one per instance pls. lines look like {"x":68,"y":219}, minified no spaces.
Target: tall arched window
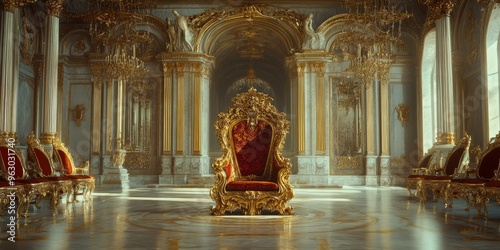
{"x":493,"y":83}
{"x":428,"y":90}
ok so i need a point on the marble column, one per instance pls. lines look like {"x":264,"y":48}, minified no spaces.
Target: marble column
{"x":49,"y":90}
{"x":9,"y":61}
{"x":6,"y":87}
{"x":307,"y":75}
{"x":372,"y":134}
{"x":7,"y":93}
{"x":439,"y":12}
{"x":185,"y":158}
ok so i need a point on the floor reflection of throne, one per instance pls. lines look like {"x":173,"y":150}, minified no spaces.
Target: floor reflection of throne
{"x":252,"y":176}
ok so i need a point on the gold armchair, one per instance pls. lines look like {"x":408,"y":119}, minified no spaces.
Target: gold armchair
{"x":252,"y":175}
{"x":424,"y":168}
{"x":82,"y":184}
{"x":456,"y":164}
{"x":477,"y":191}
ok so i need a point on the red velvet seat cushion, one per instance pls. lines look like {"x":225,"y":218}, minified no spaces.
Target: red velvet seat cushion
{"x":57,"y":178}
{"x":468,"y":181}
{"x":437,"y":178}
{"x":417,"y":176}
{"x":33,"y":180}
{"x":252,"y":186}
{"x":73,"y":177}
{"x":495,"y":184}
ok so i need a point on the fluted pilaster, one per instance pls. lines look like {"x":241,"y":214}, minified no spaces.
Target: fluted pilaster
{"x":49,"y":107}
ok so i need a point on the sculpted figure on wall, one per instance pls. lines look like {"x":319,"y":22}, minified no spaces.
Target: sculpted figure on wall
{"x":183,"y":37}
{"x":311,"y":38}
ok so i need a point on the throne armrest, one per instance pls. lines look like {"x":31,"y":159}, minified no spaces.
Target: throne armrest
{"x":83,"y":168}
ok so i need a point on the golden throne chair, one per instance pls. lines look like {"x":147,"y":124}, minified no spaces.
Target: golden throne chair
{"x":424,"y":168}
{"x":251,"y":176}
{"x":482,"y":182}
{"x":456,"y":164}
{"x":83,"y":184}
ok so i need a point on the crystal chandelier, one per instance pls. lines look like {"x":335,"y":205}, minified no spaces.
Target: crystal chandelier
{"x":372,"y":37}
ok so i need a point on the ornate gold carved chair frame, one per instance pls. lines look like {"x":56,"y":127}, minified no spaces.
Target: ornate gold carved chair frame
{"x":12,"y":165}
{"x":477,"y":191}
{"x":10,"y":159}
{"x":456,"y":163}
{"x":424,"y":168}
{"x":44,"y":167}
{"x":252,"y":175}
{"x":82,"y":184}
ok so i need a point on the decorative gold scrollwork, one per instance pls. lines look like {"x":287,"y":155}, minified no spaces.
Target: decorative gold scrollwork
{"x":78,"y":114}
{"x":403,"y":113}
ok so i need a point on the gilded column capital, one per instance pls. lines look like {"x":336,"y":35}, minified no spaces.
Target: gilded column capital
{"x":54,"y":7}
{"x":47,"y":138}
{"x":438,"y":9}
{"x":301,"y":68}
{"x":167,"y":69}
{"x":10,"y":5}
{"x":319,"y":68}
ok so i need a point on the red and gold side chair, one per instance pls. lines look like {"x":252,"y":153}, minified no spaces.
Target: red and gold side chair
{"x":12,"y":168}
{"x":477,"y":190}
{"x":251,"y":176}
{"x":414,"y":181}
{"x":44,"y":168}
{"x":456,"y":163}
{"x":82,"y":184}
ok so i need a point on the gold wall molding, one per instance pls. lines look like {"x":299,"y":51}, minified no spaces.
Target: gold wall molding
{"x":349,"y":162}
{"x":138,"y":161}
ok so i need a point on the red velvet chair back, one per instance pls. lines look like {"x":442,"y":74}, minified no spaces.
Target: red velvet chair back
{"x":65,"y":161}
{"x":458,"y":158}
{"x":37,"y":154}
{"x":15,"y":161}
{"x":251,"y":147}
{"x":43,"y":162}
{"x":453,"y":161}
{"x":63,"y":156}
{"x":426,"y":161}
{"x":488,"y":164}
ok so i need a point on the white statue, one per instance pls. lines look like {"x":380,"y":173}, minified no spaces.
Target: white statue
{"x":185,"y":34}
{"x":311,"y":38}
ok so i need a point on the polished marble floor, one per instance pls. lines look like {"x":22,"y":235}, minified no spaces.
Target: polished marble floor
{"x":324,"y":218}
